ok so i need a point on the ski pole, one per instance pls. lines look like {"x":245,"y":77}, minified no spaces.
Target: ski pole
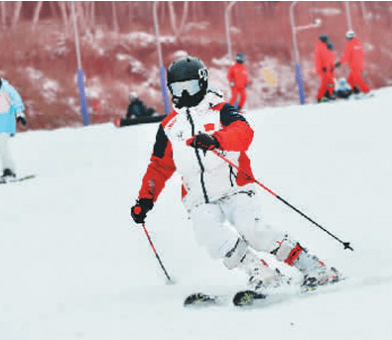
{"x":169,"y":280}
{"x":345,"y":244}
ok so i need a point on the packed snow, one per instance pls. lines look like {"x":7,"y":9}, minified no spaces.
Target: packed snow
{"x":74,"y":266}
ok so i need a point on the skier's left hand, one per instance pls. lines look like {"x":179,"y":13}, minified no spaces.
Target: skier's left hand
{"x":203,"y":141}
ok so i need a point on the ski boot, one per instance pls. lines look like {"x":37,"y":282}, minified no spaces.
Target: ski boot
{"x":321,"y":277}
{"x":7,"y":174}
{"x":261,"y":276}
{"x":315,"y":272}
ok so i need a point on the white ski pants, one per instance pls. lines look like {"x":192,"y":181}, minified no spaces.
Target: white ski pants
{"x":5,"y":155}
{"x":219,"y":224}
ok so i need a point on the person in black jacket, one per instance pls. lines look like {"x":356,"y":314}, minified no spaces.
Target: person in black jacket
{"x":137,"y":108}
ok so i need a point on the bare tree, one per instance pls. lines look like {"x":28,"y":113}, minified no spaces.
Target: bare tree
{"x":92,"y":14}
{"x":16,"y":15}
{"x":37,"y":11}
{"x":114,"y":14}
{"x":4,"y":14}
{"x":172,"y":14}
{"x":184,"y":17}
{"x":63,"y":11}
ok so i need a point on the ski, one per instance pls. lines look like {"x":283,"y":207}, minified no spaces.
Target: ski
{"x":201,"y":299}
{"x":13,"y":180}
{"x":251,"y":298}
{"x":247,"y":298}
{"x":241,"y":298}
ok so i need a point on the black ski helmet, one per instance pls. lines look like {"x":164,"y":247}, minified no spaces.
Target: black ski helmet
{"x":240,"y":58}
{"x":180,"y":74}
{"x":324,"y":38}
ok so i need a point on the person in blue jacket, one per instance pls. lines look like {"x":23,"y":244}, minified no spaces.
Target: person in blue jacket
{"x":11,"y":106}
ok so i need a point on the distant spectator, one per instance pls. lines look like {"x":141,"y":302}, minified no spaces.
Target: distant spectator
{"x":321,"y":65}
{"x":354,"y":55}
{"x":137,"y":108}
{"x":11,"y":107}
{"x":238,"y":79}
{"x":330,"y":72}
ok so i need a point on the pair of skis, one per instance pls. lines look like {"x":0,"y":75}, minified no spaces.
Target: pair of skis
{"x":240,"y":299}
{"x":256,"y":298}
{"x":17,"y":179}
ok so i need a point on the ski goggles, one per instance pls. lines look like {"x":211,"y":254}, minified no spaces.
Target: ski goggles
{"x":191,"y":86}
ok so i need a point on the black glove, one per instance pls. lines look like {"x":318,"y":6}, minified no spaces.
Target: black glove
{"x":324,"y":69}
{"x":203,"y":141}
{"x":140,"y":209}
{"x":22,"y":120}
{"x":337,"y":64}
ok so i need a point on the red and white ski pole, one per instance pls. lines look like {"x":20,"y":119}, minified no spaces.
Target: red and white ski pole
{"x":169,"y":279}
{"x":345,"y":244}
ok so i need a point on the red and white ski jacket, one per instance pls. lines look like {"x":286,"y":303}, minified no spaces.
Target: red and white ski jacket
{"x":206,"y":177}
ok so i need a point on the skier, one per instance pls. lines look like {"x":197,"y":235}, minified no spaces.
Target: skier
{"x":238,"y":79}
{"x":321,"y":65}
{"x":11,"y":106}
{"x":213,"y":191}
{"x":353,"y":54}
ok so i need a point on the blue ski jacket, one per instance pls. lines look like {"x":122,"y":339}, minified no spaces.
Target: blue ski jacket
{"x":10,"y":104}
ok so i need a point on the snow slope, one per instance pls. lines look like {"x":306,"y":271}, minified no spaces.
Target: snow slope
{"x":73,"y":265}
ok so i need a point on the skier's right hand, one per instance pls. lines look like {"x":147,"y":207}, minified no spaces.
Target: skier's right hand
{"x":22,"y":120}
{"x":232,"y":84}
{"x":140,"y":209}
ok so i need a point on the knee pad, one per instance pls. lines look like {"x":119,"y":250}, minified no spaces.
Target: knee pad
{"x":236,"y":254}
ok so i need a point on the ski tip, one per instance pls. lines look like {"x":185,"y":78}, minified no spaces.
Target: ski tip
{"x":201,"y":299}
{"x":117,"y":122}
{"x":247,"y":297}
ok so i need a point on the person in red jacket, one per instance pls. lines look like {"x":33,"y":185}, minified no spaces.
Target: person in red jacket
{"x":219,"y":198}
{"x":321,"y":65}
{"x":238,"y":79}
{"x":354,"y":55}
{"x":330,"y":74}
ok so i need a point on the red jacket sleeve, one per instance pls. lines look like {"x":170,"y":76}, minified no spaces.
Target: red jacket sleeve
{"x":160,"y":169}
{"x":235,"y":137}
{"x":236,"y":134}
{"x":230,"y":73}
{"x":346,"y":53}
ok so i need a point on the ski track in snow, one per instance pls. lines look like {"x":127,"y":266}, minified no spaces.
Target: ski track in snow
{"x":74,"y":266}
